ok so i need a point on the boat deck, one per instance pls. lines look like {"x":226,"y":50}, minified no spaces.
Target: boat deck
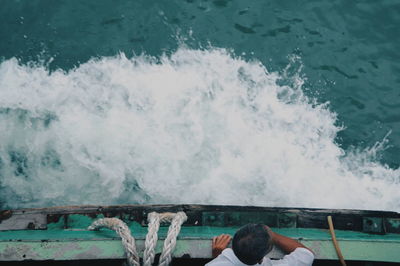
{"x":64,"y":236}
{"x":75,"y":244}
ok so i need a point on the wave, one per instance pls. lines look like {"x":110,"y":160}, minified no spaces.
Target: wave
{"x":196,"y":126}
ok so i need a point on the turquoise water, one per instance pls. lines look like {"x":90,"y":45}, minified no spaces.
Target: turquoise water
{"x":340,"y":53}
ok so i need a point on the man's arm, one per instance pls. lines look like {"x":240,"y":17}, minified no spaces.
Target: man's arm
{"x":285,"y":243}
{"x":299,"y":257}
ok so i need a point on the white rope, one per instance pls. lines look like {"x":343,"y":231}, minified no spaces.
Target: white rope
{"x":154,"y":220}
{"x":123,"y":231}
{"x":170,"y":242}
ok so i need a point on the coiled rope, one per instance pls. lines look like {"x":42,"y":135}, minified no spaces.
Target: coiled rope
{"x":154,"y":220}
{"x":128,"y":242}
{"x":170,"y":242}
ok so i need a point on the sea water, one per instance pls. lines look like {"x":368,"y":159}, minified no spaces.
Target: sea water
{"x":199,"y":126}
{"x":189,"y":124}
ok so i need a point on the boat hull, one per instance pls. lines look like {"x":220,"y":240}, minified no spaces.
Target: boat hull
{"x":60,"y":233}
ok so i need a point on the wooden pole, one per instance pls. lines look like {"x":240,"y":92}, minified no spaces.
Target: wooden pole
{"x":335,"y":243}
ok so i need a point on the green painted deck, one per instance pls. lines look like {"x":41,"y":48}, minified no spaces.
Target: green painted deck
{"x":60,"y":233}
{"x":78,"y":243}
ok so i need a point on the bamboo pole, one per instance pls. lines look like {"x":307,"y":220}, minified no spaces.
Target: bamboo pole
{"x":335,"y":243}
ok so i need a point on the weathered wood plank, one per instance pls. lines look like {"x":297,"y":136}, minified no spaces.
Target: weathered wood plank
{"x":24,"y":221}
{"x":199,"y":215}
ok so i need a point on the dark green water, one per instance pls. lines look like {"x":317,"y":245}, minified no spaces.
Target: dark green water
{"x":349,"y":49}
{"x":119,"y":128}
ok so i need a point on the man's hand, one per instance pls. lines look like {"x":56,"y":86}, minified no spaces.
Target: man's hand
{"x":219,"y":243}
{"x":270,"y":232}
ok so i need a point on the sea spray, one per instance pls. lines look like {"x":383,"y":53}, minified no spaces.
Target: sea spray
{"x":198,"y":126}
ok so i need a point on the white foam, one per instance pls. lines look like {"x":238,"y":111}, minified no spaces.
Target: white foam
{"x":200,"y":126}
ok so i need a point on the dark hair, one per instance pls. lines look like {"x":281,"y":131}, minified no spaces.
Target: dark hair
{"x":251,"y":243}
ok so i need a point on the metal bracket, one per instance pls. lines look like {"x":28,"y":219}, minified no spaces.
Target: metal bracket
{"x":287,"y":220}
{"x":238,"y":218}
{"x":373,"y":225}
{"x":392,"y":225}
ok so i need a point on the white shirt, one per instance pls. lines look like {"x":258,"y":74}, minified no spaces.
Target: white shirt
{"x":299,"y":257}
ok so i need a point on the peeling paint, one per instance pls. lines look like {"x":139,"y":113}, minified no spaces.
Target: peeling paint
{"x":196,"y":243}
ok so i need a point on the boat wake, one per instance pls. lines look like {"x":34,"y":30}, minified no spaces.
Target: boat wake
{"x":198,"y":126}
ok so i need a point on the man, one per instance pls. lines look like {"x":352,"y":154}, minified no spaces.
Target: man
{"x":252,"y":243}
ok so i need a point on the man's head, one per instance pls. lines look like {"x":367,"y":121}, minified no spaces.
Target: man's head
{"x":251,"y":243}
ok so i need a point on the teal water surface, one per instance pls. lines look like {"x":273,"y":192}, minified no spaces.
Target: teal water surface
{"x":349,"y":49}
{"x":347,"y":52}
